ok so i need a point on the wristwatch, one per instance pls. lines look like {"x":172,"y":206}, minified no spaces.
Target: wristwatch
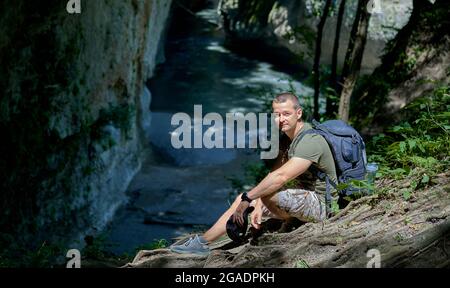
{"x":245,"y":197}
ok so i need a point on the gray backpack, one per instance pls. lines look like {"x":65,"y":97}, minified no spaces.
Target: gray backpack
{"x":349,"y":153}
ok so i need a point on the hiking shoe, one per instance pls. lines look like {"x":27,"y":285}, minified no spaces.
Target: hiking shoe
{"x":193,"y":245}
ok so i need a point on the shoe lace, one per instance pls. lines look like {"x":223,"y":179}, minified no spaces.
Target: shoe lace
{"x":188,"y":242}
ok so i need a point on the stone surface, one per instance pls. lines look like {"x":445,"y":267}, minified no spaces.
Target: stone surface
{"x":73,"y":106}
{"x":411,"y":233}
{"x":275,"y":22}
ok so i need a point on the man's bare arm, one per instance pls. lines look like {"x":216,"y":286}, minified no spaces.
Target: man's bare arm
{"x":276,"y":179}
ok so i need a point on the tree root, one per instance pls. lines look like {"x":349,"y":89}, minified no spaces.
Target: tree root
{"x":412,"y":233}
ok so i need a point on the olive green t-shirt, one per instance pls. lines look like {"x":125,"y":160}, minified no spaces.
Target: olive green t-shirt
{"x":315,"y":148}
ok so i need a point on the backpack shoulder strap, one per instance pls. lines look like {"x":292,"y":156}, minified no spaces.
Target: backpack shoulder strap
{"x":309,"y":131}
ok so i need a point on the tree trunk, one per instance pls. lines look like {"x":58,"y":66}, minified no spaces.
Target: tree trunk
{"x":316,"y":71}
{"x":394,"y":84}
{"x":333,"y":77}
{"x":353,"y":58}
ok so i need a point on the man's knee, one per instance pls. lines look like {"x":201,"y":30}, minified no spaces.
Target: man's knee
{"x":270,"y":200}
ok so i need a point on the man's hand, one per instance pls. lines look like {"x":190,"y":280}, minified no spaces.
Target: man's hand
{"x":238,"y":215}
{"x":256,"y":217}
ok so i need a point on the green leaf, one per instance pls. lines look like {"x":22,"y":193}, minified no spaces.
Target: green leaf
{"x":402,"y":146}
{"x":414,"y":185}
{"x":406,"y":195}
{"x":425,"y":178}
{"x":445,"y":115}
{"x":334,"y":207}
{"x":412,"y":143}
{"x":359,"y":183}
{"x":398,"y":171}
{"x":397,"y":128}
{"x":301,"y":264}
{"x":421,"y":147}
{"x":342,"y":186}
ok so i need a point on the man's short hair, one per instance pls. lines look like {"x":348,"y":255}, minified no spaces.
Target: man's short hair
{"x":283,"y":97}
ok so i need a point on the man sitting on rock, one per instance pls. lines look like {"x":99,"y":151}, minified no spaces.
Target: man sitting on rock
{"x":289,"y":190}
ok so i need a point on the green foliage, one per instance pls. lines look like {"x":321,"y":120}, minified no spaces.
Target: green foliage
{"x":256,"y":172}
{"x":301,"y":264}
{"x":360,"y":188}
{"x":371,"y":91}
{"x":316,"y":8}
{"x":402,"y":67}
{"x":407,"y":194}
{"x":418,"y":144}
{"x":98,"y":248}
{"x":437,"y":19}
{"x":95,"y":247}
{"x":326,"y":91}
{"x":362,"y":185}
{"x":334,"y":207}
{"x":15,"y":255}
{"x":44,"y":256}
{"x":399,"y":237}
{"x":304,"y":35}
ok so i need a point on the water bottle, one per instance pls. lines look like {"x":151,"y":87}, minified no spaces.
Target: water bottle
{"x":371,"y":169}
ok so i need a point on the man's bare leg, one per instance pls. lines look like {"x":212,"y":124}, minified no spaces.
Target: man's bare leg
{"x":220,"y":227}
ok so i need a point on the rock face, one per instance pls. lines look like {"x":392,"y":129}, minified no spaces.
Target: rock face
{"x":73,"y":107}
{"x":289,"y":26}
{"x":417,"y":61}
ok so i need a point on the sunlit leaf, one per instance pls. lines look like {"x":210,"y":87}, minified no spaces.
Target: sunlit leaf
{"x":412,"y":144}
{"x":414,"y":185}
{"x":342,"y":186}
{"x":406,"y":195}
{"x":421,"y":147}
{"x":425,"y":178}
{"x":402,"y":146}
{"x":398,"y":171}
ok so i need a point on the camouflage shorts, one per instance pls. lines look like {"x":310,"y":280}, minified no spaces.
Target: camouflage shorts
{"x":302,"y":204}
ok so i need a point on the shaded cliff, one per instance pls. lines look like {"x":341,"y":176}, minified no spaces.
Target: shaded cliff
{"x":73,"y":105}
{"x":286,"y":29}
{"x":416,"y":61}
